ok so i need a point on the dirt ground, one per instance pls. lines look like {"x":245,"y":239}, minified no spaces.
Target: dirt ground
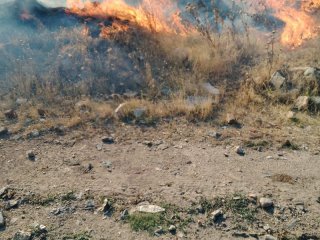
{"x":177,"y":164}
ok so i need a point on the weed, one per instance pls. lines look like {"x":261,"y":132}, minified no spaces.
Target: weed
{"x":77,"y":236}
{"x":240,"y":206}
{"x":70,"y":196}
{"x":146,"y":221}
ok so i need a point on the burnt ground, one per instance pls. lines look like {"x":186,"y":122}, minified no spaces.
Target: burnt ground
{"x":176,"y":164}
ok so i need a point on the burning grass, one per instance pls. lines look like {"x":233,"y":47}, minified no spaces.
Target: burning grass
{"x":130,"y":50}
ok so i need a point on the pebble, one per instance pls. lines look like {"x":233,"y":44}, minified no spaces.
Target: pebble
{"x":31,"y":155}
{"x":21,"y":235}
{"x":107,"y":140}
{"x":240,"y":151}
{"x":2,"y":221}
{"x":124,"y":214}
{"x":266,"y":202}
{"x":172,"y":229}
{"x":216,"y":215}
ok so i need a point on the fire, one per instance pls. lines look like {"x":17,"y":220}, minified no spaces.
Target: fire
{"x":155,"y":16}
{"x":300,"y":25}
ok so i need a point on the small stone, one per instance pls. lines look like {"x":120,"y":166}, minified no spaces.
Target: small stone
{"x":21,"y":235}
{"x":11,"y":114}
{"x":107,"y":164}
{"x":12,"y":204}
{"x":34,"y":134}
{"x":107,"y":140}
{"x":240,"y":151}
{"x":2,"y":221}
{"x":21,"y":101}
{"x":291,"y":115}
{"x":277,"y":80}
{"x":139,"y":112}
{"x":99,"y":147}
{"x":266,"y":202}
{"x":172,"y":229}
{"x":3,"y":191}
{"x":158,"y":232}
{"x":90,"y":206}
{"x":216,"y":215}
{"x":31,"y":155}
{"x":42,"y":113}
{"x":59,"y":130}
{"x":124,"y":215}
{"x":4,"y":131}
{"x":269,"y":237}
{"x":106,"y":207}
{"x":302,"y":103}
{"x":231,"y":119}
{"x":215,"y":135}
{"x":150,"y":209}
{"x":253,"y":197}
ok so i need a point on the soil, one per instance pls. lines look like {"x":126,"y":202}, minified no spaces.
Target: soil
{"x":177,"y":164}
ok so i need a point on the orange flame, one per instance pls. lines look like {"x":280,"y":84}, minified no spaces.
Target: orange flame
{"x":300,"y":24}
{"x":157,"y":16}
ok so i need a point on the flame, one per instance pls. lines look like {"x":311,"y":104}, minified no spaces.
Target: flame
{"x":156,"y":16}
{"x":300,"y":25}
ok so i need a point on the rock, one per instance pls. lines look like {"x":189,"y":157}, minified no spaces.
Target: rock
{"x":266,"y":202}
{"x":21,"y":101}
{"x":21,"y":235}
{"x":124,"y":214}
{"x":31,"y":155}
{"x":11,"y":204}
{"x":107,"y":140}
{"x":149,"y":209}
{"x":139,"y":112}
{"x":231,"y":119}
{"x":11,"y":114}
{"x":2,"y":220}
{"x":59,"y":130}
{"x":172,"y":229}
{"x":107,"y":164}
{"x":240,"y":151}
{"x":3,"y":191}
{"x":41,"y":113}
{"x":314,"y":104}
{"x":302,"y":103}
{"x":106,"y":207}
{"x":89,"y":206}
{"x":291,"y":115}
{"x":210,"y":89}
{"x":159,"y":231}
{"x":278,"y":81}
{"x":268,"y":237}
{"x":216,"y":215}
{"x":253,"y":197}
{"x":312,"y":72}
{"x":215,"y":135}
{"x":34,"y":134}
{"x":4,"y":131}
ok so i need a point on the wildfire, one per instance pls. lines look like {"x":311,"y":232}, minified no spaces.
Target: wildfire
{"x":300,"y":25}
{"x":156,"y":16}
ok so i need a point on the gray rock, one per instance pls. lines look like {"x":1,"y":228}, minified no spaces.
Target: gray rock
{"x":302,"y":103}
{"x":139,"y":112}
{"x":266,"y":202}
{"x":107,"y":164}
{"x":148,"y":208}
{"x":215,"y":135}
{"x":210,"y":89}
{"x":11,"y":114}
{"x":312,"y":72}
{"x":159,"y":231}
{"x":124,"y":214}
{"x":90,"y":206}
{"x":216,"y":215}
{"x":4,"y":131}
{"x":314,"y":103}
{"x":2,"y":220}
{"x":172,"y":229}
{"x":21,"y":235}
{"x":35,"y":134}
{"x":3,"y":191}
{"x":268,"y":237}
{"x":31,"y":155}
{"x":21,"y":101}
{"x":11,"y":204}
{"x":240,"y":150}
{"x":107,"y":140}
{"x":277,"y":81}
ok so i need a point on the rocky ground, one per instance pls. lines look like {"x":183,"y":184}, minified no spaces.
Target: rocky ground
{"x":174,"y":181}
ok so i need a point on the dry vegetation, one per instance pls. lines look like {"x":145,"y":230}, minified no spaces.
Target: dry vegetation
{"x":76,"y":81}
